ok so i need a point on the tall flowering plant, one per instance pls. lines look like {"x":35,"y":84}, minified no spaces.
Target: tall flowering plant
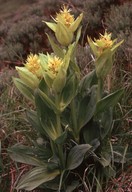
{"x":73,"y":115}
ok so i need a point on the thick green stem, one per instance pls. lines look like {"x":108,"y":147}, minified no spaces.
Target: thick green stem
{"x":100,"y":89}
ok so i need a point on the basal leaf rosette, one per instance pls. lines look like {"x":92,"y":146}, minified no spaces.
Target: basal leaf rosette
{"x":65,"y":25}
{"x":30,"y":76}
{"x":104,"y":49}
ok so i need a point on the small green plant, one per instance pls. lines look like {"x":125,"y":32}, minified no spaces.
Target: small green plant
{"x":73,"y":115}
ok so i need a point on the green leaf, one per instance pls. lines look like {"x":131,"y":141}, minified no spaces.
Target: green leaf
{"x":106,"y":123}
{"x":35,"y":122}
{"x":28,"y":77}
{"x":57,"y":50}
{"x":53,"y":163}
{"x":36,"y":177}
{"x":93,"y":46}
{"x":114,"y":48}
{"x":26,"y":91}
{"x":60,"y":80}
{"x":104,"y":64}
{"x":47,"y":117}
{"x":88,"y":81}
{"x":63,"y":34}
{"x":91,"y":131}
{"x":43,"y":86}
{"x":23,"y":154}
{"x":87,"y":107}
{"x":108,"y":101}
{"x":69,"y":91}
{"x":76,"y":156}
{"x":47,"y":101}
{"x":78,"y":34}
{"x":61,"y":139}
{"x":76,"y":23}
{"x":52,"y":26}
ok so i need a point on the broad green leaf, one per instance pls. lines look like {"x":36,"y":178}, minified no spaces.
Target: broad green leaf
{"x":57,"y":50}
{"x":76,"y":156}
{"x":106,"y":123}
{"x":108,"y":101}
{"x":91,"y":131}
{"x":47,"y":100}
{"x":87,"y":107}
{"x":36,"y":177}
{"x":47,"y":117}
{"x":23,"y":154}
{"x":35,"y":122}
{"x":61,"y":139}
{"x":43,"y":86}
{"x":69,"y":91}
{"x":87,"y":82}
{"x":26,"y":91}
{"x":60,"y":80}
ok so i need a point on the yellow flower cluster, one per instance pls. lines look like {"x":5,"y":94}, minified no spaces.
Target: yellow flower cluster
{"x":33,"y":65}
{"x":104,"y":42}
{"x":54,"y":63}
{"x":65,"y":16}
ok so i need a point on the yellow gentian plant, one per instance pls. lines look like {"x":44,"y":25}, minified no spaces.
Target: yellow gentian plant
{"x":72,"y":115}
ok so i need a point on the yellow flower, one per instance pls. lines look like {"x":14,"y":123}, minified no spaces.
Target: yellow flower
{"x":104,"y":49}
{"x":33,"y":65}
{"x":54,"y":64}
{"x":65,"y":25}
{"x":65,"y":16}
{"x":104,"y":41}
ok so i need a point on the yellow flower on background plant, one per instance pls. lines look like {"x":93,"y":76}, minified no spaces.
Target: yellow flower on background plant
{"x":65,"y":25}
